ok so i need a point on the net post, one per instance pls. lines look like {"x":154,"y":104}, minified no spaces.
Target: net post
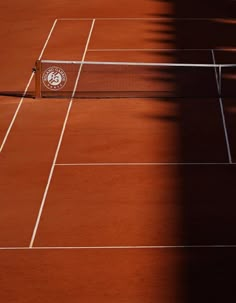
{"x":37,"y":71}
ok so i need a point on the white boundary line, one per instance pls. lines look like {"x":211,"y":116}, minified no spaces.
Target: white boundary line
{"x":16,"y":113}
{"x":26,"y":89}
{"x":59,"y":142}
{"x":222,"y":109}
{"x":48,"y":38}
{"x":213,"y":246}
{"x":140,"y":19}
{"x":151,"y":49}
{"x":146,"y":164}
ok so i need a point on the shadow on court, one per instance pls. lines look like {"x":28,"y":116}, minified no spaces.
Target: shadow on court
{"x":17,"y":94}
{"x":206,"y":199}
{"x":201,"y":9}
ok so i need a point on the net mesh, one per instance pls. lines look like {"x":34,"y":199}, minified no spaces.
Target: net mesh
{"x":123,"y":80}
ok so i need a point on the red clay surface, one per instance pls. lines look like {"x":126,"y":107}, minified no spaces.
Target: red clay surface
{"x":186,"y":205}
{"x":85,"y":209}
{"x":25,"y":162}
{"x":135,"y":215}
{"x":118,"y":275}
{"x":144,"y":131}
{"x":68,"y":40}
{"x":130,"y":34}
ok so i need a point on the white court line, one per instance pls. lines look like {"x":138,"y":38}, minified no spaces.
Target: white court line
{"x":124,"y":247}
{"x":157,"y":49}
{"x":146,"y":164}
{"x":222,"y":109}
{"x":48,"y":38}
{"x":16,"y":113}
{"x":140,"y":19}
{"x":148,"y":49}
{"x":26,"y":89}
{"x":59,"y":142}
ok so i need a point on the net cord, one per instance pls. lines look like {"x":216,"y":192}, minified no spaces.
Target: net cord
{"x":139,"y":63}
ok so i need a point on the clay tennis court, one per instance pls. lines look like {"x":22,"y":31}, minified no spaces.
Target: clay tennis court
{"x":118,"y":199}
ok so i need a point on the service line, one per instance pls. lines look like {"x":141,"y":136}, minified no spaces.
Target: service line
{"x":142,"y":19}
{"x":148,"y":49}
{"x":147,"y":164}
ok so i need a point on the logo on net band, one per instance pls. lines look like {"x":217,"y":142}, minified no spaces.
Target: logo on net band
{"x":54,"y":78}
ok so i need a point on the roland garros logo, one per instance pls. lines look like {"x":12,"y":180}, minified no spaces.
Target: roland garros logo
{"x":54,"y":78}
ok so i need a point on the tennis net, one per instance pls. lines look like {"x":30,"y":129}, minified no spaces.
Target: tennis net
{"x":87,"y":79}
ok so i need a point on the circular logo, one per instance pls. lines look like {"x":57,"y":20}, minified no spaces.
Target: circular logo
{"x":54,"y":78}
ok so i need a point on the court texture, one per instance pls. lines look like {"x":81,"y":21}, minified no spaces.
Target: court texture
{"x":118,"y":199}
